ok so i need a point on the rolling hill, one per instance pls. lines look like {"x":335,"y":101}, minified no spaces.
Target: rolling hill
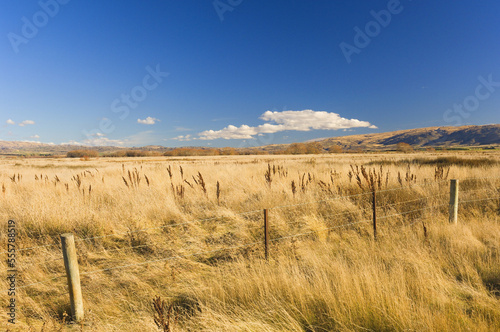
{"x":437,"y":137}
{"x":464,"y":136}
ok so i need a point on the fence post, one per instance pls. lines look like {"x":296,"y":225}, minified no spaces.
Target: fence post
{"x":266,"y":234}
{"x":73,"y":275}
{"x":453,"y":201}
{"x":374,"y":207}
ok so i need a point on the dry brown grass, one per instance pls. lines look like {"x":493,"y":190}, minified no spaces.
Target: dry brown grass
{"x":337,"y":279}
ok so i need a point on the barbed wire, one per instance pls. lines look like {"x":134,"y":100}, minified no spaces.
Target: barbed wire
{"x":249,"y":212}
{"x":320,"y":201}
{"x":331,"y":215}
{"x":474,"y":190}
{"x":36,"y":283}
{"x":413,"y":222}
{"x":416,"y":210}
{"x":27,"y":264}
{"x":35,"y":247}
{"x":164,"y":226}
{"x":275,"y":207}
{"x":189,"y":255}
{"x":212,"y":218}
{"x":479,"y":200}
{"x":409,"y":201}
{"x":123,"y":248}
{"x":411,"y":184}
{"x":170,"y":258}
{"x":193,"y":254}
{"x":241,"y":246}
{"x":319,"y":230}
{"x":482,"y":178}
{"x":23,"y":265}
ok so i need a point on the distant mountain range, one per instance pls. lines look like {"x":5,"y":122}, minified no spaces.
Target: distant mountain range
{"x":437,"y":137}
{"x":464,"y":136}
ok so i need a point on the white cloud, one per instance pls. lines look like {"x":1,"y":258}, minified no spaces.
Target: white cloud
{"x":183,"y":138}
{"x":309,"y":119}
{"x":38,"y":142}
{"x":142,"y":138}
{"x":100,"y":139}
{"x":26,"y":122}
{"x":10,"y":122}
{"x":305,"y":120}
{"x":182,"y":129}
{"x":148,"y":121}
{"x":35,"y":136}
{"x":29,"y":141}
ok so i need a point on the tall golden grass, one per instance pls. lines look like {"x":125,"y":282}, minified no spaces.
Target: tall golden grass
{"x":137,"y":213}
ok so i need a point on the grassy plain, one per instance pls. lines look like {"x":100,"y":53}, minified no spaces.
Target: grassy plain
{"x":159,"y":226}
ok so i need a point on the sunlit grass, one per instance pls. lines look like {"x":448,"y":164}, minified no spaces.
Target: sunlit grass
{"x":330,"y":278}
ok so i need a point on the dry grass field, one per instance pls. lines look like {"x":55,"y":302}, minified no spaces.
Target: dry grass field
{"x":190,"y":230}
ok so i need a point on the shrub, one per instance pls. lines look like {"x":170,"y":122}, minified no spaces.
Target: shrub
{"x":404,"y":147}
{"x":335,"y":149}
{"x":440,"y":161}
{"x":82,"y":154}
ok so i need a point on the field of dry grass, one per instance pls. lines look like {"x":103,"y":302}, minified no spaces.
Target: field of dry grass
{"x":190,"y":230}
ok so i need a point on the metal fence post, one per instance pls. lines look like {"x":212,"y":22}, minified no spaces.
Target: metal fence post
{"x":374,"y":207}
{"x":266,"y":234}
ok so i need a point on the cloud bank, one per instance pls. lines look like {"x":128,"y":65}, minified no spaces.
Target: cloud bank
{"x":20,"y":124}
{"x":305,"y":120}
{"x":148,"y":121}
{"x":26,"y":122}
{"x":99,"y":139}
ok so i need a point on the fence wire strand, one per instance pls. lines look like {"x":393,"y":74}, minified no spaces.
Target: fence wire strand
{"x":169,"y":258}
{"x":254,"y":243}
{"x":479,"y":200}
{"x":36,"y":247}
{"x":36,"y":283}
{"x":318,"y":230}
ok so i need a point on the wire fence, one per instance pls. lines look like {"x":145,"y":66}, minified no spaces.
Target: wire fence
{"x":422,"y":204}
{"x":259,"y":211}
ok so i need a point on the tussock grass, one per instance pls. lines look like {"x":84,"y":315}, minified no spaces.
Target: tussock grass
{"x":325,"y":280}
{"x":354,"y":284}
{"x":441,"y":161}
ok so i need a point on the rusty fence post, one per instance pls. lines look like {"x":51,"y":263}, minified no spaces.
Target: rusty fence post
{"x":374,"y":208}
{"x":266,"y":234}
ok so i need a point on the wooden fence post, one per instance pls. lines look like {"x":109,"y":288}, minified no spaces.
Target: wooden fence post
{"x":266,"y":234}
{"x":374,"y":207}
{"x":73,"y":275}
{"x":453,"y":201}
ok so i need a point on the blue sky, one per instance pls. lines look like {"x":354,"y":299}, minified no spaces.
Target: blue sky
{"x":241,"y":72}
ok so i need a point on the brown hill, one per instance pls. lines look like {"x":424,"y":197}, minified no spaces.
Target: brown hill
{"x":444,"y":137}
{"x":464,"y":136}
